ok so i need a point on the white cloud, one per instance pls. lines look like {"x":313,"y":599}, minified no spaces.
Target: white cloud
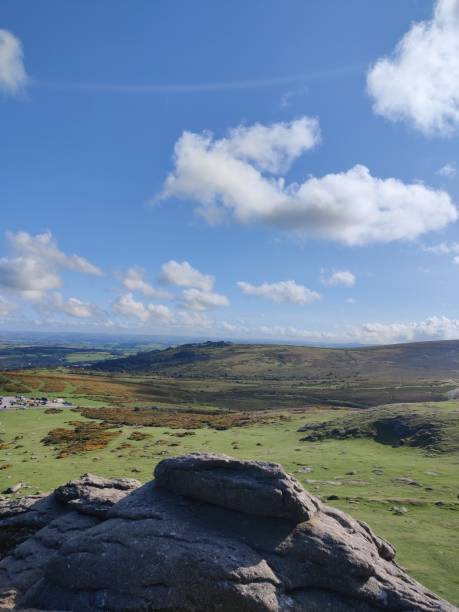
{"x":420,"y":82}
{"x":73,"y":306}
{"x":433,"y":328}
{"x":338,"y":277}
{"x":444,"y":248}
{"x":29,"y":277}
{"x":184,"y":275}
{"x":281,"y":292}
{"x":6,"y":308}
{"x":448,"y":170}
{"x":127,"y":306}
{"x":351,"y":207}
{"x":286,"y":99}
{"x":160,"y":312}
{"x":44,"y":248}
{"x":194,"y":320}
{"x":34,"y":266}
{"x":13,"y":76}
{"x":133,"y":280}
{"x":196,"y":299}
{"x":271,"y":148}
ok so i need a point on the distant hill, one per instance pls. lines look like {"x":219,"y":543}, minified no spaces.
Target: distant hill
{"x":418,"y":361}
{"x":259,"y":375}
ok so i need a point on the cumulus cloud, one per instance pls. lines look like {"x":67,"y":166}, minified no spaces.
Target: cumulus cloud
{"x":43,"y":247}
{"x":420,"y":81}
{"x":13,"y":76}
{"x":196,"y":299}
{"x":72,"y":306}
{"x":281,"y":292}
{"x":34,"y":265}
{"x":160,"y":312}
{"x":184,"y":275}
{"x":337,"y":277}
{"x":271,"y":148}
{"x":127,"y":306}
{"x":351,"y":207}
{"x":448,"y":170}
{"x":133,"y":280}
{"x":29,"y":277}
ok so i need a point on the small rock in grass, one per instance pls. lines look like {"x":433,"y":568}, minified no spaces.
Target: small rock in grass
{"x":399,"y":510}
{"x":14,"y":488}
{"x":404,"y":480}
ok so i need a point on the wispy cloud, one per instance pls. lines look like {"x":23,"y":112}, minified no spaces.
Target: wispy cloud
{"x":448,"y":170}
{"x":281,"y":292}
{"x":184,"y":88}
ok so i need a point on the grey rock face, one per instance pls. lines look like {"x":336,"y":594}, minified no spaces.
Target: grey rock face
{"x":254,"y":487}
{"x":94,"y":495}
{"x":178,"y":544}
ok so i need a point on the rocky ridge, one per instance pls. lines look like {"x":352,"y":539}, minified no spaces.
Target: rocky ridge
{"x":210,"y":533}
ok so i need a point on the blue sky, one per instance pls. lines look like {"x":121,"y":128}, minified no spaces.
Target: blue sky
{"x":313,"y":191}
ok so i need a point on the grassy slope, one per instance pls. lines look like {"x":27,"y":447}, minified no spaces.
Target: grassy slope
{"x":426,"y":537}
{"x":431,"y":426}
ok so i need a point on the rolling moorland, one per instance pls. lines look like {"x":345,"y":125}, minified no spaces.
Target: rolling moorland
{"x":373,"y":430}
{"x":41,"y":351}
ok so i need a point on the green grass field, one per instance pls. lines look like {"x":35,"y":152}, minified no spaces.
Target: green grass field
{"x":361,"y":473}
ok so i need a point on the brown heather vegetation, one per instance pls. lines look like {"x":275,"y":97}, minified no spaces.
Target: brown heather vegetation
{"x":82,"y":438}
{"x":138,"y":436}
{"x":179,"y":419}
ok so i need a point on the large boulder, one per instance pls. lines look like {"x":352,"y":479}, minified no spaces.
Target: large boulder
{"x":210,"y":534}
{"x":254,"y":487}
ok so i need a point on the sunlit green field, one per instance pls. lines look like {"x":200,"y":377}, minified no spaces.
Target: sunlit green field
{"x":360,"y":473}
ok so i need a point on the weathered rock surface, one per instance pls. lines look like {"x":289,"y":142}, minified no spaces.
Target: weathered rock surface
{"x":211,"y":533}
{"x":94,"y":495}
{"x":248,"y":486}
